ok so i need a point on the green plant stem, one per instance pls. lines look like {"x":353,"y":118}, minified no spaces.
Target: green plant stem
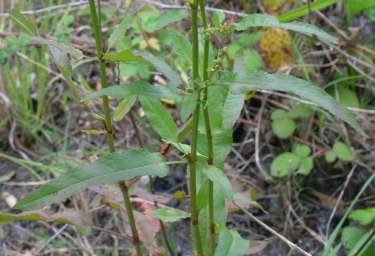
{"x":194,"y":136}
{"x":206,"y":115}
{"x":96,"y":27}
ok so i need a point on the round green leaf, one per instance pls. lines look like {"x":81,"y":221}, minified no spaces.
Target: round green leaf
{"x":343,"y":151}
{"x":283,"y":164}
{"x":279,"y":114}
{"x":330,"y":156}
{"x":283,"y":128}
{"x":302,"y":150}
{"x":306,"y":166}
{"x":363,"y":216}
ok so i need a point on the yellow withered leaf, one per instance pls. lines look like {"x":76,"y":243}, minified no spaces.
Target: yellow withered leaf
{"x":276,"y":48}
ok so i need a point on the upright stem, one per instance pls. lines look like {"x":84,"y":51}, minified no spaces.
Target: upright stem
{"x":194,"y":137}
{"x":96,"y":27}
{"x":210,"y":160}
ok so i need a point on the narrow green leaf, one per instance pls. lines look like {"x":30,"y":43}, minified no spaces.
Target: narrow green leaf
{"x":218,"y":177}
{"x":231,"y":243}
{"x":119,"y":31}
{"x":304,"y":10}
{"x":107,"y":170}
{"x":278,"y":82}
{"x":170,"y":214}
{"x":160,"y":119}
{"x":124,"y":56}
{"x":263,"y":20}
{"x":123,"y":107}
{"x":137,"y":88}
{"x":65,"y":217}
{"x":26,"y":24}
{"x":232,"y":109}
{"x":353,"y":7}
{"x":161,"y":66}
{"x":159,"y":21}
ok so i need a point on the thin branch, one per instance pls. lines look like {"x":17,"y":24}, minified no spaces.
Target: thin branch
{"x":50,"y":8}
{"x":292,"y":245}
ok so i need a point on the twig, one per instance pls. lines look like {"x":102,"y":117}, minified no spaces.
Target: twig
{"x":50,"y":8}
{"x":38,"y":250}
{"x":346,"y":183}
{"x":292,"y":245}
{"x":257,"y":139}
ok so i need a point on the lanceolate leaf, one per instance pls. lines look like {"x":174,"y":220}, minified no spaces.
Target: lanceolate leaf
{"x":231,"y":243}
{"x":161,"y":20}
{"x":305,"y":9}
{"x":218,"y":178}
{"x":304,"y":89}
{"x":138,"y":88}
{"x":123,"y":107}
{"x":124,"y":56}
{"x":232,"y":109}
{"x":263,"y":20}
{"x":161,"y":66}
{"x":170,"y":214}
{"x":66,"y":217}
{"x":119,"y":31}
{"x":159,"y":118}
{"x":107,"y":170}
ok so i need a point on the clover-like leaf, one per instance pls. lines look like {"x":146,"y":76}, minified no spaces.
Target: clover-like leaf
{"x":343,"y":151}
{"x":283,"y":164}
{"x":283,"y":128}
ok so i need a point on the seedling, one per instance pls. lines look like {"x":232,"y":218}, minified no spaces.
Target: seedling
{"x":210,"y":97}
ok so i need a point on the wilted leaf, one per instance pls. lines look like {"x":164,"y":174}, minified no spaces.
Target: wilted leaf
{"x":107,"y":170}
{"x":276,"y":46}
